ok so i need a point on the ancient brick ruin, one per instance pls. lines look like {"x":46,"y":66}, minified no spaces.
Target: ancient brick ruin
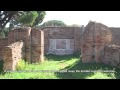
{"x":12,"y":54}
{"x":101,"y":44}
{"x":96,"y":42}
{"x":62,"y":40}
{"x":33,"y":40}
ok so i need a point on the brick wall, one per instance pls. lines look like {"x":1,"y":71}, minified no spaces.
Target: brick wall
{"x":33,"y":40}
{"x":115,"y":35}
{"x":63,"y":33}
{"x":37,"y":44}
{"x":21,"y":34}
{"x":96,"y":37}
{"x":12,"y":54}
{"x":112,"y":55}
{"x":101,"y":44}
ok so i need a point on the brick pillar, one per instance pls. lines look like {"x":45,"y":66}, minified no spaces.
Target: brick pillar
{"x":28,"y":45}
{"x":87,"y":47}
{"x":37,"y":45}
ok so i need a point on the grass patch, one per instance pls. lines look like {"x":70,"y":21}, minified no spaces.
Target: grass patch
{"x":62,"y":67}
{"x":21,"y":65}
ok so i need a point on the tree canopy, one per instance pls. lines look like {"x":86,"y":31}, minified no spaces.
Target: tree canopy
{"x":25,"y":18}
{"x":31,"y":18}
{"x":19,"y":18}
{"x":5,"y":17}
{"x":53,"y":23}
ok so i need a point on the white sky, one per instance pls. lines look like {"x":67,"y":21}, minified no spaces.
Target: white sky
{"x":109,"y":18}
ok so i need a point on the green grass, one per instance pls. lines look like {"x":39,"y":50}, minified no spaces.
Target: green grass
{"x":62,"y":67}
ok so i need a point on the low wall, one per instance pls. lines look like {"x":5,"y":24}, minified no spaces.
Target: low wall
{"x":12,"y":54}
{"x":112,"y":55}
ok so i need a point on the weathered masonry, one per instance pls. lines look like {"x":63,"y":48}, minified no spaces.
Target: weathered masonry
{"x":62,"y":40}
{"x":96,"y":42}
{"x":101,"y":44}
{"x":33,"y":40}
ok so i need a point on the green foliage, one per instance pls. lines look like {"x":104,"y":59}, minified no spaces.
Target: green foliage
{"x":39,"y":19}
{"x":5,"y":32}
{"x":2,"y":34}
{"x":31,"y":18}
{"x":60,"y":63}
{"x":20,"y":65}
{"x":54,"y":23}
{"x":28,"y":18}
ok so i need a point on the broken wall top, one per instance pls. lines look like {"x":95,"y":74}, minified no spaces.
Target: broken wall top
{"x":96,"y":32}
{"x":61,"y":32}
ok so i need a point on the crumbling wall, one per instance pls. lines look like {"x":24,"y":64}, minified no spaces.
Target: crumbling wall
{"x":96,"y":36}
{"x":87,"y":51}
{"x":3,"y":43}
{"x":115,"y":35}
{"x":70,"y":34}
{"x":112,"y":55}
{"x":12,"y":54}
{"x":21,"y":34}
{"x":33,"y":40}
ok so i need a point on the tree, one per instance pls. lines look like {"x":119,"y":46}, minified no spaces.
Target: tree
{"x":39,"y":19}
{"x":54,"y":23}
{"x":28,"y":18}
{"x":5,"y":31}
{"x":32,"y":18}
{"x":5,"y":17}
{"x":2,"y":34}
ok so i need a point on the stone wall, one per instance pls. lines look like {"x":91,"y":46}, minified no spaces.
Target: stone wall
{"x":21,"y":34}
{"x":12,"y":54}
{"x":72,"y":33}
{"x":37,"y":45}
{"x":95,"y":43}
{"x":112,"y":55}
{"x":3,"y":43}
{"x":101,"y":44}
{"x":115,"y":35}
{"x":96,"y":36}
{"x":33,"y":40}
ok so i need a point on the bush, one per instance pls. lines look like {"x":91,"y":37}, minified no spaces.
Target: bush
{"x":21,"y":65}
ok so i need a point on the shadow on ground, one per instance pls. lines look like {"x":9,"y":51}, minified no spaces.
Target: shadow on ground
{"x":50,"y":57}
{"x":80,"y":70}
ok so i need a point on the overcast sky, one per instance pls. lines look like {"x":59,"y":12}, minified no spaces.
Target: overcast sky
{"x":109,"y":18}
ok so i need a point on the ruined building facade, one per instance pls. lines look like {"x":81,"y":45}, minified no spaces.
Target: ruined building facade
{"x":62,"y":40}
{"x":96,"y":42}
{"x":22,"y":43}
{"x":101,"y":44}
